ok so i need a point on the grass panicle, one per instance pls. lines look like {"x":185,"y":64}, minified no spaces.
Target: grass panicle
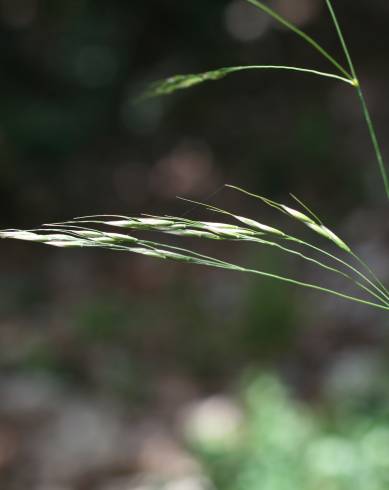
{"x":96,"y":231}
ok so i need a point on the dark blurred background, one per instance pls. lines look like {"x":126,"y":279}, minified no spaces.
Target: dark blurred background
{"x":109,"y":362}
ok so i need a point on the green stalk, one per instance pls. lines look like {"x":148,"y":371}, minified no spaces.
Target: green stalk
{"x":301,"y":34}
{"x":293,"y":68}
{"x":374,"y":139}
{"x":306,"y":285}
{"x":384,"y":296}
{"x":211,"y":262}
{"x":371,"y":272}
{"x":362,"y":100}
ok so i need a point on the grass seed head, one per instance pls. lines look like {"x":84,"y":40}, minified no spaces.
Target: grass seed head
{"x":259,"y":226}
{"x":141,"y":223}
{"x":34,"y":237}
{"x":330,"y":235}
{"x":69,"y":243}
{"x":297,"y":214}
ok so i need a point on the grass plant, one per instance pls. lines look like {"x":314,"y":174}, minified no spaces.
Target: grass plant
{"x":96,"y":231}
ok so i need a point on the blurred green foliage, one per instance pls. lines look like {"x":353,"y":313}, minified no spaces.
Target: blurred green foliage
{"x":286,"y":445}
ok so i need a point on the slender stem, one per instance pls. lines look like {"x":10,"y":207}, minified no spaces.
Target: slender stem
{"x":342,"y":39}
{"x":210,"y":261}
{"x":369,"y":291}
{"x":383,"y":298}
{"x":365,"y":110}
{"x":381,"y":290}
{"x":294,"y":68}
{"x":371,"y":272}
{"x":373,"y":136}
{"x":311,"y":286}
{"x":302,"y":34}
